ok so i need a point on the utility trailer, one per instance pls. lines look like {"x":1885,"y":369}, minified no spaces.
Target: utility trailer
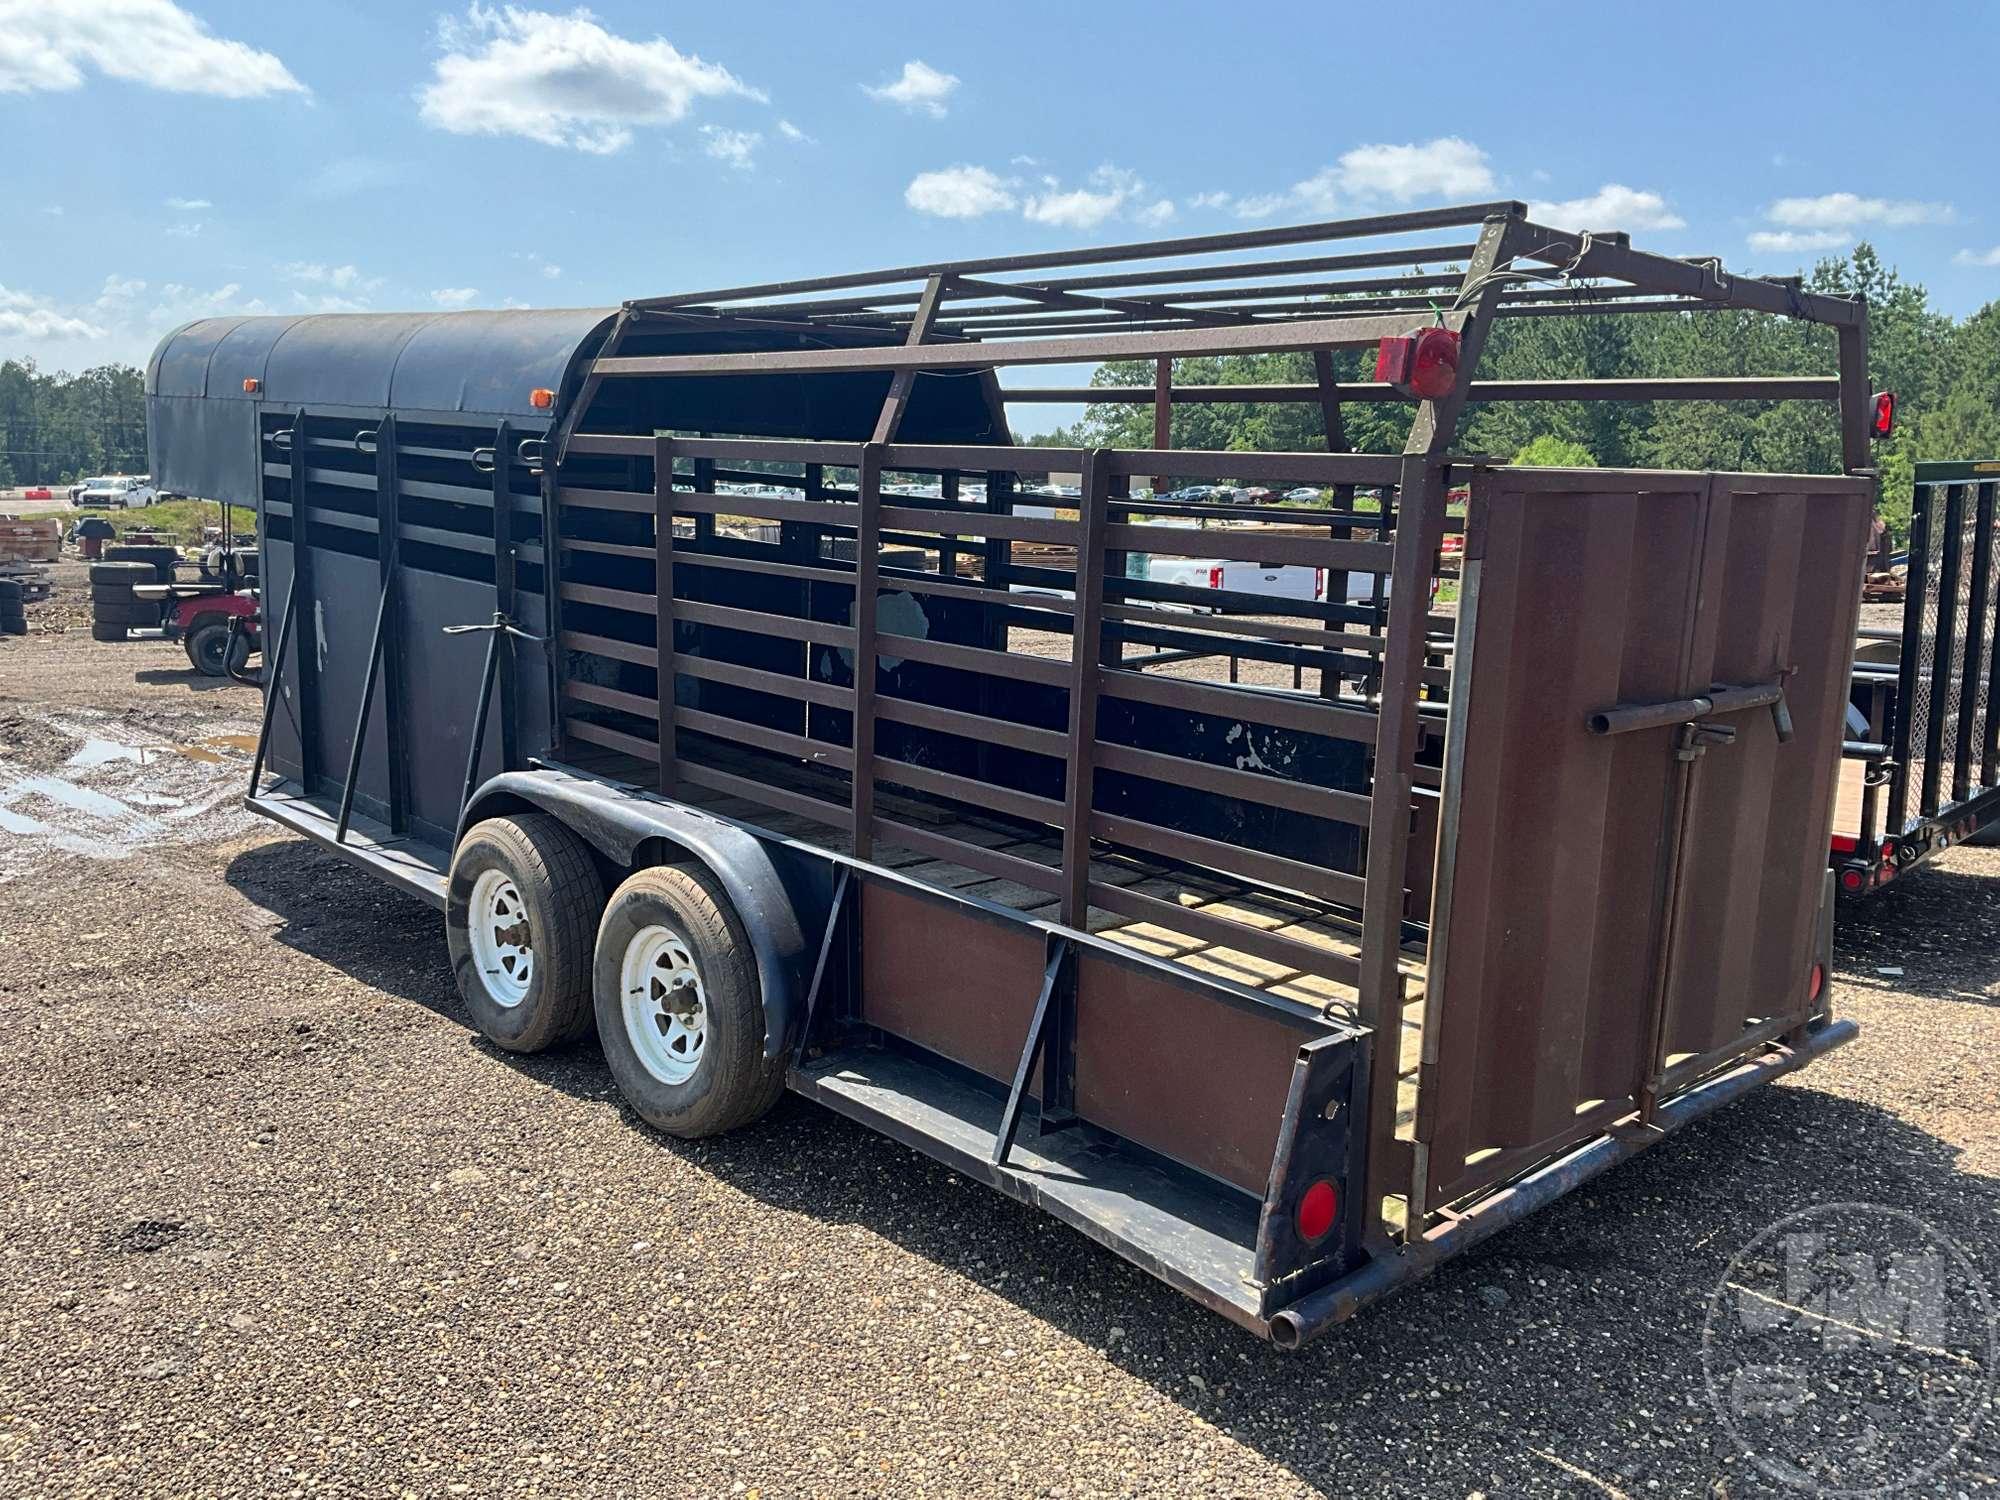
{"x":1921,"y":767}
{"x":1286,"y":988}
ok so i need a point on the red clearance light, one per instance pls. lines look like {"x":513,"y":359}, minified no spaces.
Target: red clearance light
{"x":1318,"y":1208}
{"x":541,"y":398}
{"x":252,"y":385}
{"x":1423,"y":364}
{"x":1818,"y":982}
{"x":1884,"y":420}
{"x":1851,"y":878}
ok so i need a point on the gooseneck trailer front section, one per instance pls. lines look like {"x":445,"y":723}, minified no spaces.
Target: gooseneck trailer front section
{"x":696,"y":659}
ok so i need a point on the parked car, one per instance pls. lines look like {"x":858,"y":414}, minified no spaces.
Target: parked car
{"x":76,"y":491}
{"x":126,"y":492}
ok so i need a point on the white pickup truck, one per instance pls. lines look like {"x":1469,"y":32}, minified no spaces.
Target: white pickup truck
{"x":118,"y":492}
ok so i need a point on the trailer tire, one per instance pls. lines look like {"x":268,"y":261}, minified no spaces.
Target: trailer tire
{"x":680,"y":1012}
{"x":99,"y":631}
{"x":530,"y":868}
{"x":121,"y":575}
{"x":132,"y":612}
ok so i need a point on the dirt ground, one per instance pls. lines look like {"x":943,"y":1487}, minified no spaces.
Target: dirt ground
{"x":277,"y":1222}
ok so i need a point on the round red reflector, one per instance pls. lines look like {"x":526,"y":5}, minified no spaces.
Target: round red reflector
{"x":1818,"y":982}
{"x":1317,"y":1211}
{"x":1850,"y":879}
{"x":1434,"y":364}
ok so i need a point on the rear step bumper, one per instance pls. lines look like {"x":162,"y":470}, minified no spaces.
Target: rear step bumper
{"x":1313,"y":1314}
{"x":1197,"y":1237}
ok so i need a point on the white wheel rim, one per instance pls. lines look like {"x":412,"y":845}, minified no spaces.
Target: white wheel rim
{"x":665,"y":1006}
{"x":502,"y":945}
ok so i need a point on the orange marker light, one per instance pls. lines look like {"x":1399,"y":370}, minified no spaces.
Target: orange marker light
{"x":541,"y":398}
{"x":252,"y":385}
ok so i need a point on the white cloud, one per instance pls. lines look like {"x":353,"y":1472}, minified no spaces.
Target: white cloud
{"x":921,"y":87}
{"x":1842,"y":210}
{"x":1444,"y":168}
{"x":733,"y":148}
{"x":1155,"y":214}
{"x":188,"y":205}
{"x":961,"y":192}
{"x":1978,"y":257}
{"x":348,"y":278}
{"x":792,"y":132}
{"x":1613,"y":206}
{"x":551,"y":270}
{"x":562,"y":80}
{"x":1447,"y":167}
{"x":453,"y":297}
{"x":186,"y":231}
{"x":23,"y":315}
{"x":1085,"y":208}
{"x":1799,"y":241}
{"x":175,"y":304}
{"x":51,"y":44}
{"x":327,"y":302}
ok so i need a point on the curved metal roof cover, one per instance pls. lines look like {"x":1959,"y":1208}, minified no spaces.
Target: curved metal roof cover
{"x":484,"y":362}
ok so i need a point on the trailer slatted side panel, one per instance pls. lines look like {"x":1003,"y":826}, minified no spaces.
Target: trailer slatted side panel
{"x":1581,"y":860}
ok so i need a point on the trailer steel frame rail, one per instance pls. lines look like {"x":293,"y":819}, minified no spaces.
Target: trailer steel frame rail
{"x":823,"y":684}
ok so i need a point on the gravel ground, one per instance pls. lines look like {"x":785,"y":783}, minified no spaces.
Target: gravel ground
{"x":278,"y":1223}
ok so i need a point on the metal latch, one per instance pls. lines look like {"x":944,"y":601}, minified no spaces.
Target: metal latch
{"x":499,"y":622}
{"x":1696,"y":714}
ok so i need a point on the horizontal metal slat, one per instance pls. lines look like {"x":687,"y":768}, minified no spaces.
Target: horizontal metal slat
{"x":742,"y":732}
{"x":980,"y":794}
{"x":1225,"y":933}
{"x":1229,"y":781}
{"x":1230,"y":859}
{"x":1244,"y":545}
{"x":1281,"y":710}
{"x":611,"y":739}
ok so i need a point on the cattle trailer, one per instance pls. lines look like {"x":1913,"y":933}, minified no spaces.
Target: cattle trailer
{"x":691,"y":656}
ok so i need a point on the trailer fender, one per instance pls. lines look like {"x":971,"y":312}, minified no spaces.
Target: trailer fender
{"x":620,"y":825}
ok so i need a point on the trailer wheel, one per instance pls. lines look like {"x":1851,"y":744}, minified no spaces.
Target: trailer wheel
{"x":520,"y":908}
{"x":679,"y":1010}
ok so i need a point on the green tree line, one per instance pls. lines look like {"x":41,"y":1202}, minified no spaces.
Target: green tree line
{"x":58,"y":428}
{"x":1946,"y":376}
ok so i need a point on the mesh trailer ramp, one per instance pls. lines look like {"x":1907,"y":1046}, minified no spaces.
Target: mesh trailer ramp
{"x":1922,"y":761}
{"x":1284,"y":946}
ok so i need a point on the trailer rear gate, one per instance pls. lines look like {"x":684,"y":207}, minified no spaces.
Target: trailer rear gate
{"x":1479,"y":897}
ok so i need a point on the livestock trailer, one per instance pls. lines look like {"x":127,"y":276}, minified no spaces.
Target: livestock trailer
{"x":1922,"y":762}
{"x":1284,"y":987}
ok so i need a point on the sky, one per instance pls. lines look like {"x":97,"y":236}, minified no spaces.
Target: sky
{"x":167,"y":161}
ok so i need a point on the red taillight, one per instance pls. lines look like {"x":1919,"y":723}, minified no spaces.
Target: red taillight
{"x":1318,"y":1208}
{"x":1884,"y":421}
{"x":1215,"y":578}
{"x":1422,"y":364}
{"x":1852,"y":879}
{"x":1818,"y":982}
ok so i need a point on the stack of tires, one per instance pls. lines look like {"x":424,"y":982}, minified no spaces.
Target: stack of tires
{"x":13,"y":613}
{"x":159,"y":558}
{"x":114,"y":611}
